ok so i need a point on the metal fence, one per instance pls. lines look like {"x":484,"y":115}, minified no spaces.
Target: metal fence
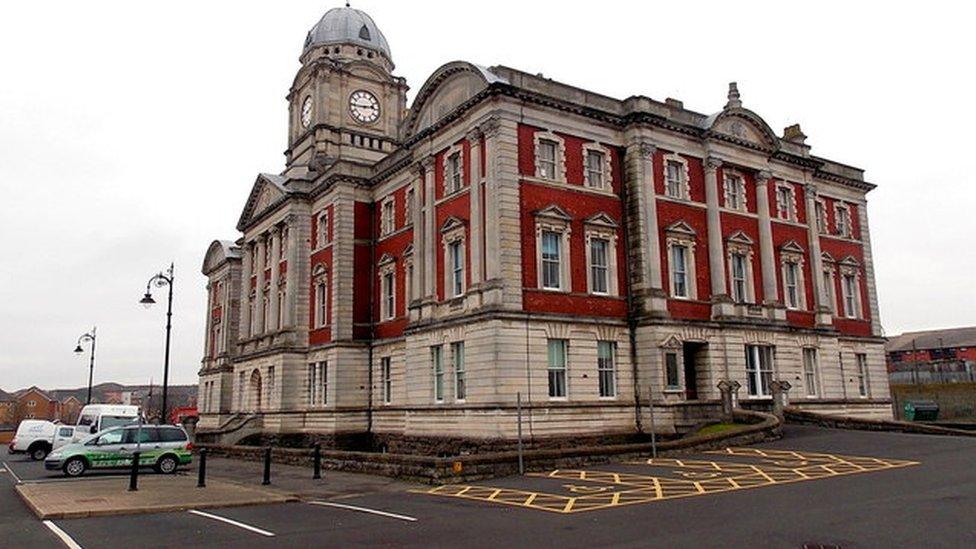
{"x":924,"y":378}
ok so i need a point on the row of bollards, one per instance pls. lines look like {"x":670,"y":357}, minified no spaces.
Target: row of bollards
{"x":202,"y":468}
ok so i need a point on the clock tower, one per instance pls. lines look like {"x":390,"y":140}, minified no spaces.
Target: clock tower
{"x":344,"y":104}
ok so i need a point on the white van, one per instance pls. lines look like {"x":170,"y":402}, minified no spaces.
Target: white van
{"x":98,"y":417}
{"x":37,"y":437}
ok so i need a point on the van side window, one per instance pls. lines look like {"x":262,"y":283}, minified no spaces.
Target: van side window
{"x":86,"y":420}
{"x":66,"y":432}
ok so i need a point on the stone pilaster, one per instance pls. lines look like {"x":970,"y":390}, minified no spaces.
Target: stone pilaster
{"x":492,"y":238}
{"x":276,"y":234}
{"x":259,"y":320}
{"x":823,"y":313}
{"x":767,"y":258}
{"x":418,"y":282}
{"x":430,"y":232}
{"x":246,"y":272}
{"x":721,"y":304}
{"x":343,"y":270}
{"x":476,"y":237}
{"x":862,"y":211}
{"x":645,"y":245}
{"x":507,"y":210}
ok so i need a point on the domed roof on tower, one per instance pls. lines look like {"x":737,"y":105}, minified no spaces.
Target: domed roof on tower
{"x":348,"y":25}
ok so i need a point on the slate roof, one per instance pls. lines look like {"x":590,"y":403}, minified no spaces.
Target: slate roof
{"x":930,"y":339}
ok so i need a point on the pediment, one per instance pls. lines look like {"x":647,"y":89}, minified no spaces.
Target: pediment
{"x":791,"y":246}
{"x":743,"y":126}
{"x":267,"y":191}
{"x":386,"y":258}
{"x":452,"y":223}
{"x":849,"y":261}
{"x":739,"y":237}
{"x":826,"y":257}
{"x":601,"y":220}
{"x":553,"y":211}
{"x":408,"y":251}
{"x":680,"y":227}
{"x":672,"y":342}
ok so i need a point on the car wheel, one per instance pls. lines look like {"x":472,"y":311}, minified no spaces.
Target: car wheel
{"x":75,"y":467}
{"x":38,"y":453}
{"x":166,"y":465}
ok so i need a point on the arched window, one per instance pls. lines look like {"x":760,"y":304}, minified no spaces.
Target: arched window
{"x":364,"y":33}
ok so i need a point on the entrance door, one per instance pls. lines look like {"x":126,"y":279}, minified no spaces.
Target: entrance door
{"x":692,"y":359}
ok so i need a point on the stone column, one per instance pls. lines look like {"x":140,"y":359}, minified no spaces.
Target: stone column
{"x":766,"y":256}
{"x":259,"y":286}
{"x":418,"y":282}
{"x":492,"y":232}
{"x":247,"y":269}
{"x":865,"y":234}
{"x":716,"y":249}
{"x":820,"y":307}
{"x":645,"y":246}
{"x":430,"y":230}
{"x":476,"y":238}
{"x":293,"y":272}
{"x":276,"y":237}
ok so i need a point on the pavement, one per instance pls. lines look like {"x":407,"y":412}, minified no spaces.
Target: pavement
{"x":815,"y":487}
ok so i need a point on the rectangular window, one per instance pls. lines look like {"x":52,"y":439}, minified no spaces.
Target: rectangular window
{"x":675,"y":187}
{"x":594,"y":169}
{"x":790,"y":285}
{"x":408,"y":284}
{"x":784,"y":202}
{"x":821,"y":216}
{"x":828,"y":282}
{"x":810,"y":371}
{"x":456,"y":254}
{"x":759,"y":369}
{"x":557,"y":367}
{"x":551,"y":257}
{"x":311,"y":383}
{"x":679,"y":271}
{"x":281,"y":310}
{"x":734,"y":192}
{"x":454,"y":172}
{"x":388,"y":222}
{"x":321,"y":304}
{"x":843,"y":221}
{"x":457,"y":356}
{"x":739,"y":278}
{"x":271,"y":384}
{"x":862,"y":374}
{"x":547,"y":159}
{"x":850,"y":296}
{"x":386,"y":380}
{"x":599,"y":265}
{"x":671,"y":380}
{"x":388,"y":296}
{"x":606,"y":368}
{"x":408,"y":206}
{"x":323,"y":382}
{"x":437,"y":365}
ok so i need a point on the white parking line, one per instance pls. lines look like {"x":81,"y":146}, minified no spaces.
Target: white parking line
{"x":233,"y":523}
{"x":363,"y":510}
{"x":11,"y":471}
{"x":62,"y":535}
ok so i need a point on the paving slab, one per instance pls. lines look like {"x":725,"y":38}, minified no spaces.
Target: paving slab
{"x":110,"y":496}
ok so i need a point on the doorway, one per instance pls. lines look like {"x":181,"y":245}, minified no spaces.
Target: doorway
{"x":693,"y":357}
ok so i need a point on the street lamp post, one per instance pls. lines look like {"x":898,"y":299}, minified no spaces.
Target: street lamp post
{"x":162,"y":279}
{"x":90,"y":336}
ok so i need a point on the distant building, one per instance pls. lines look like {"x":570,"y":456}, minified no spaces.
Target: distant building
{"x":8,"y":404}
{"x":34,"y":403}
{"x":70,"y":408}
{"x":950,"y":352}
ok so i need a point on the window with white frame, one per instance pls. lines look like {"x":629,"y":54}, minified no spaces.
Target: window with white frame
{"x":311,"y":378}
{"x":387,"y":272}
{"x":676,"y":177}
{"x":557,"y":350}
{"x":735,"y":191}
{"x":453,"y":236}
{"x":739,"y":249}
{"x":454,"y":172}
{"x":547,"y":152}
{"x":601,"y":254}
{"x":810,"y":371}
{"x":408,"y":275}
{"x":552,"y":249}
{"x":828,"y":290}
{"x":820,"y":213}
{"x":408,"y":207}
{"x":606,"y":368}
{"x":794,"y":287}
{"x":863,"y":387}
{"x":460,"y":384}
{"x":842,"y":219}
{"x":596,"y":171}
{"x":387,"y":217}
{"x":681,"y":260}
{"x":437,"y":370}
{"x":323,"y":229}
{"x":386,"y":380}
{"x":321,"y":303}
{"x":850,"y":287}
{"x":785,"y":201}
{"x":672,"y":375}
{"x":759,"y":369}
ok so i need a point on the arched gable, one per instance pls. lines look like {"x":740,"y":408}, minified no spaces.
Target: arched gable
{"x":219,"y":252}
{"x":446,"y":89}
{"x":742,"y":126}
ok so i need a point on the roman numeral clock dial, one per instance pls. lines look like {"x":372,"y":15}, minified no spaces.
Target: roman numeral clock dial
{"x":364,"y":107}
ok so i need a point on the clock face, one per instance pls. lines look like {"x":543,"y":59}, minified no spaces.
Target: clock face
{"x":364,"y":107}
{"x":307,"y":112}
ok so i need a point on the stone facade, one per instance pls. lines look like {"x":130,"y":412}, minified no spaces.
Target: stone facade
{"x":418,"y":272}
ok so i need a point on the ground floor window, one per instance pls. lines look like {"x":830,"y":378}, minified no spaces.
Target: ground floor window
{"x":671,"y":379}
{"x":606,"y":352}
{"x":759,"y":369}
{"x":316,"y":381}
{"x":557,"y":367}
{"x":457,"y":355}
{"x":862,"y":374}
{"x":810,"y":371}
{"x":386,"y":380}
{"x":438,"y":371}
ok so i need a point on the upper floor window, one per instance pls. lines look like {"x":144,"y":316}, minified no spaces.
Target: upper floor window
{"x":408,"y":206}
{"x":456,"y":254}
{"x":676,"y":177}
{"x":791,"y":285}
{"x":849,"y":286}
{"x":785,"y":202}
{"x":453,"y":239}
{"x":599,"y":265}
{"x":551,"y":260}
{"x":454,"y":172}
{"x":820,"y":211}
{"x":323,"y":229}
{"x":735,"y":192}
{"x":283,"y":244}
{"x":552,"y":248}
{"x":388,"y":296}
{"x":738,"y":268}
{"x":387,"y":220}
{"x":680,"y":245}
{"x":679,"y":271}
{"x":739,"y":249}
{"x":843,"y":220}
{"x":595,"y":169}
{"x":387,"y":272}
{"x":794,"y":293}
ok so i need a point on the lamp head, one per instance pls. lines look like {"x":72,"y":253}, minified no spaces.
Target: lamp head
{"x":147,"y":300}
{"x":78,"y":349}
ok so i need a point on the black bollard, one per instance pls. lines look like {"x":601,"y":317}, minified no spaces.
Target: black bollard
{"x":202,"y":477}
{"x":317,"y":452}
{"x":134,"y":473}
{"x":267,"y":466}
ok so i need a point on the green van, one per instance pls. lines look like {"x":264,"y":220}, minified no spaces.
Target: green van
{"x":162,"y":447}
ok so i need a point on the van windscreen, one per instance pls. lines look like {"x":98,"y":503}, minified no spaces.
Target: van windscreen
{"x":114,"y":421}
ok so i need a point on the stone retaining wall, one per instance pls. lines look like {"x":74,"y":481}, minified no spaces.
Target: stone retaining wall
{"x":805,"y":417}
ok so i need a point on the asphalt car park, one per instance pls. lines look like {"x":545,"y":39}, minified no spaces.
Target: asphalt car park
{"x":813,"y":487}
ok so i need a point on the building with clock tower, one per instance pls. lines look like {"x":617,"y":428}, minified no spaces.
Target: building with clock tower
{"x":411,"y":273}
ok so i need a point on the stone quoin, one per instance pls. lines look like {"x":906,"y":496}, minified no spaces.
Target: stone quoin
{"x":411,"y":271}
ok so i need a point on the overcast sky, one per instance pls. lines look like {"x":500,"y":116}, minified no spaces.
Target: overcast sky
{"x":131,"y":133}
